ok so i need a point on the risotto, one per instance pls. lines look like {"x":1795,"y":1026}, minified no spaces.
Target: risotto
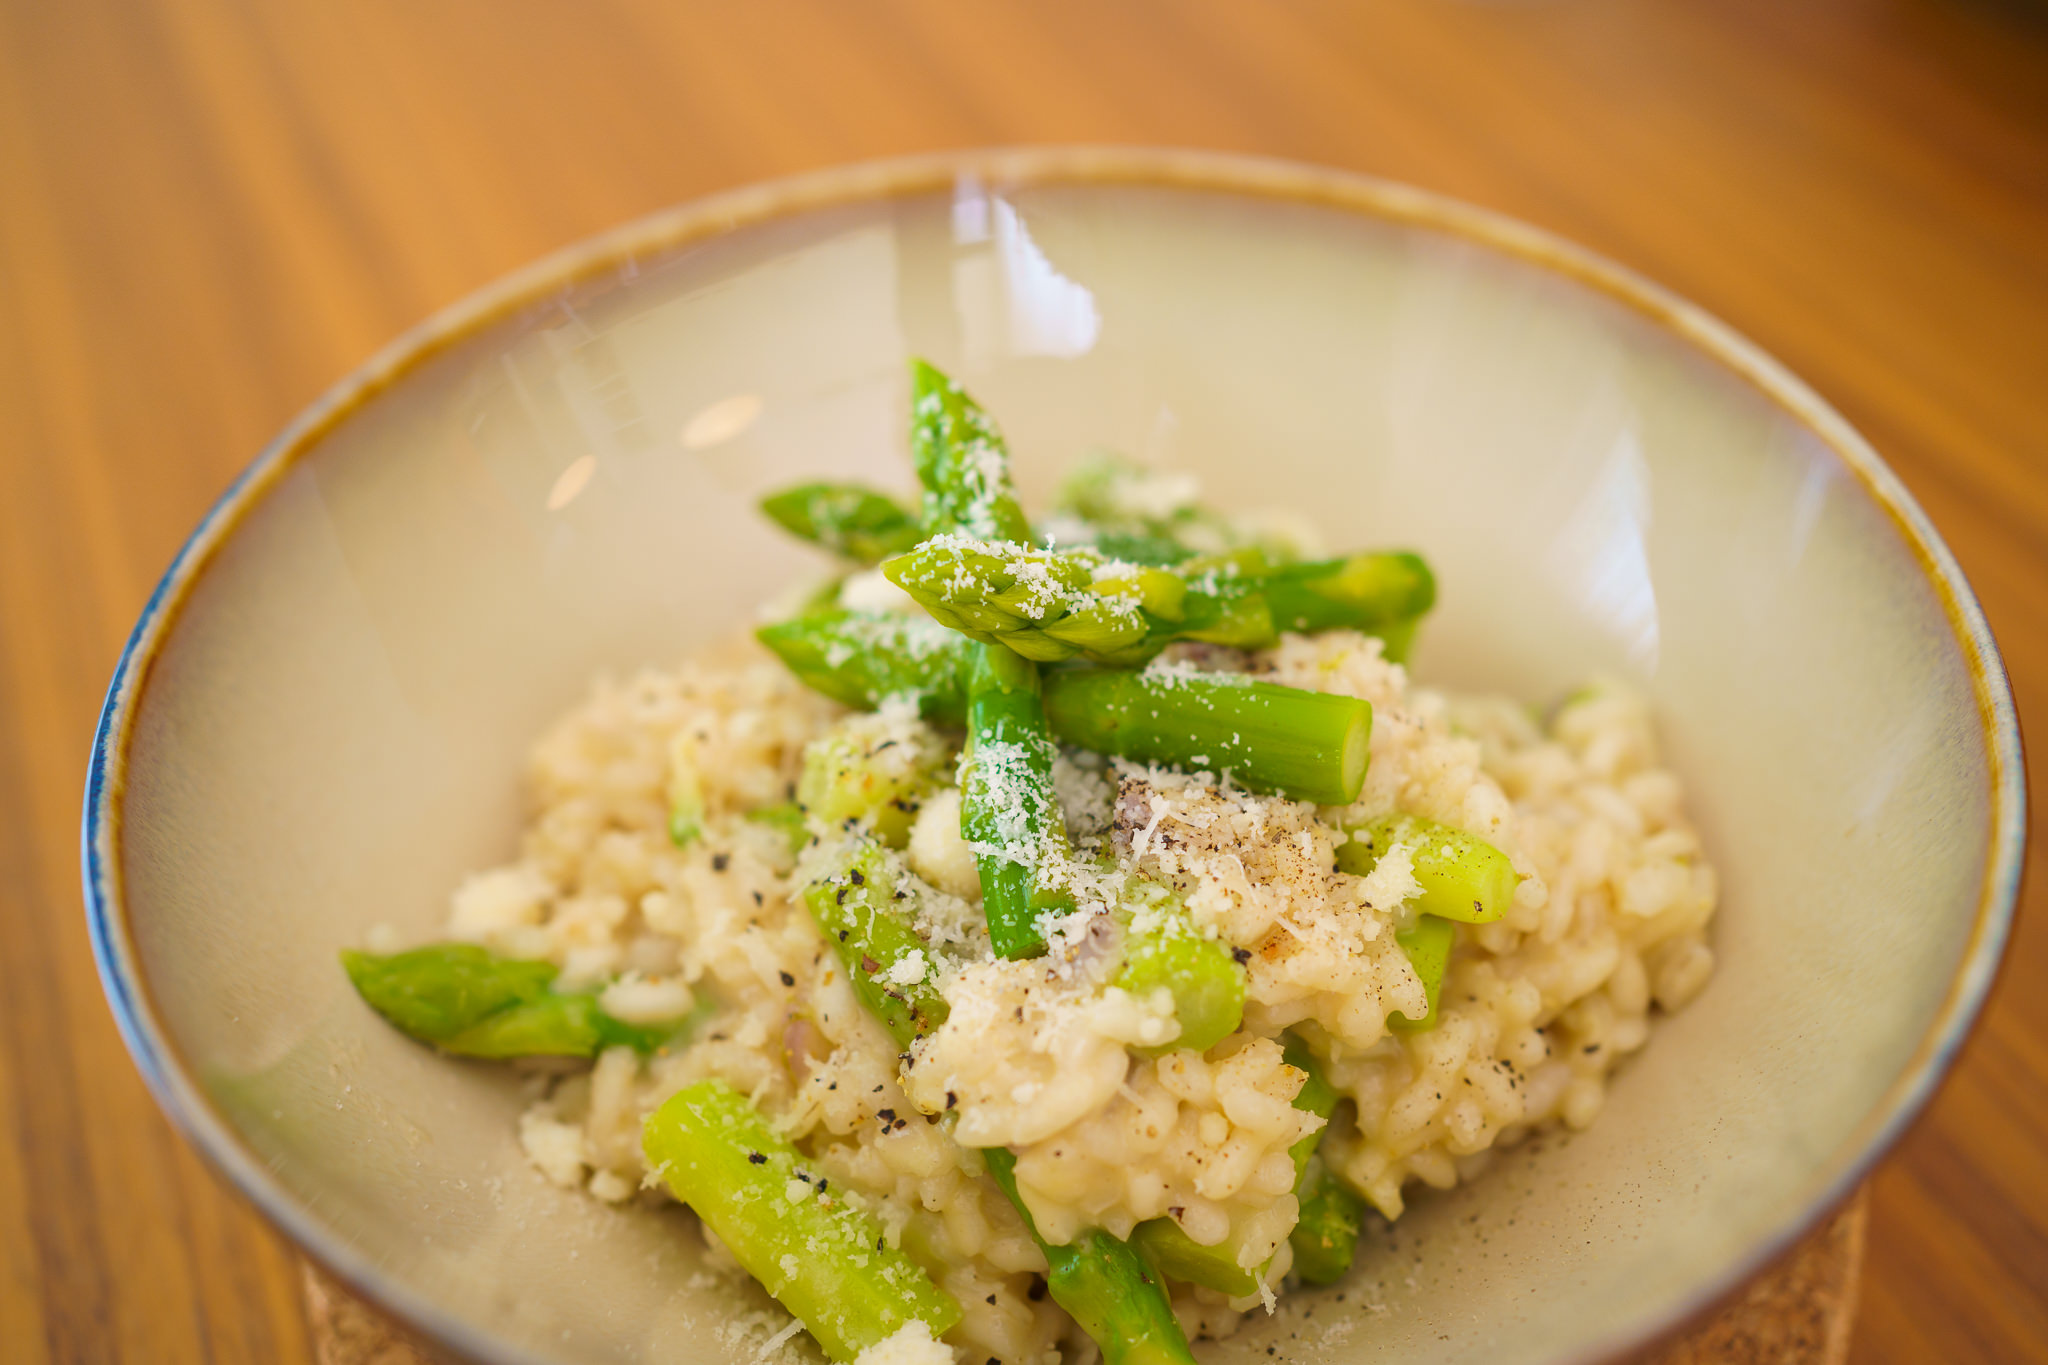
{"x":1245,"y":1006}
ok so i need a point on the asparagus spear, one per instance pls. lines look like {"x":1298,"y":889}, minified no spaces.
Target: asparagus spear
{"x":859,"y":523}
{"x":469,"y":1001}
{"x":1427,"y":943}
{"x":864,"y":911}
{"x":1007,"y":808}
{"x":1365,"y":592}
{"x":1054,"y":605}
{"x":1106,"y":1285}
{"x":823,"y":1259}
{"x":1462,"y":878}
{"x":1008,"y":813}
{"x":1325,"y":1235}
{"x":1310,"y":745}
{"x":962,"y":462}
{"x":1046,"y":605}
{"x":1162,"y":947}
{"x":861,"y":658}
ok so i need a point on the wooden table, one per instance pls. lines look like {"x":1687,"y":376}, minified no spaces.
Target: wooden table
{"x":209,"y":211}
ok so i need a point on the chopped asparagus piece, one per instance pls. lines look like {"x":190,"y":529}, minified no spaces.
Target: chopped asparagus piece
{"x":1008,"y":813}
{"x":823,"y":1259}
{"x":1427,"y":944}
{"x":863,"y":658}
{"x":859,"y":523}
{"x":469,"y":1001}
{"x":436,"y":992}
{"x":1311,"y":746}
{"x":1325,"y":1236}
{"x":962,"y":462}
{"x":555,"y":1024}
{"x":865,"y":912}
{"x":1462,"y":878}
{"x":1162,"y":947}
{"x":1106,"y":1285}
{"x":1316,"y":1096}
{"x":861,"y":771}
{"x":1167,"y":1245}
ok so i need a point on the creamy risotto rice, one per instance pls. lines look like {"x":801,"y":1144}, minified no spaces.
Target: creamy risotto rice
{"x":1607,"y":924}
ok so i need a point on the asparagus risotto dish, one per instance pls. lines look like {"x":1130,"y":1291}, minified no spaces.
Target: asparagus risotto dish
{"x":1055,"y":939}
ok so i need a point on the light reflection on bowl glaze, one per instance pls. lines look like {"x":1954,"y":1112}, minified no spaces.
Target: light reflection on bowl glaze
{"x":319,"y":722}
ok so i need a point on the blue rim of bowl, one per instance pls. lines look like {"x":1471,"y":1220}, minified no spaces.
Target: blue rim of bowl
{"x":1258,"y":178}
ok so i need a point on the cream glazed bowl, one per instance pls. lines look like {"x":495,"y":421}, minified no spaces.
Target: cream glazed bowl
{"x":321,"y":719}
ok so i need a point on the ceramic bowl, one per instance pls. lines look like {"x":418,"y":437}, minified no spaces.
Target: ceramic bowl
{"x":321,"y":719}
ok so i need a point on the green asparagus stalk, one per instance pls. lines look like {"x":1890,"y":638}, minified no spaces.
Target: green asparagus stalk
{"x":823,"y":1259}
{"x":1367,"y":592}
{"x":1162,"y":947}
{"x":469,"y":1001}
{"x":1056,"y":605}
{"x":1427,"y":944}
{"x":1312,"y":746}
{"x":962,"y":462}
{"x":1106,"y":1285}
{"x":1462,"y":878}
{"x":858,"y":523}
{"x":863,"y":658}
{"x":1008,"y":813}
{"x":1325,"y":1236}
{"x":865,"y":912}
{"x":554,"y":1025}
{"x":1007,"y":809}
{"x":1309,"y":745}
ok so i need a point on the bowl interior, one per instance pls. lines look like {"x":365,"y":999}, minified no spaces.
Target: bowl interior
{"x":333,"y":731}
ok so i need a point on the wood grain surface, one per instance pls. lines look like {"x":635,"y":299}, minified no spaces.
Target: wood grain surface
{"x":209,"y":211}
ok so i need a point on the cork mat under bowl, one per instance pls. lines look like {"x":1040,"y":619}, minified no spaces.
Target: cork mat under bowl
{"x":1796,"y":1313}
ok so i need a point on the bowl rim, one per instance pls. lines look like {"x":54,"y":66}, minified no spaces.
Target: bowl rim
{"x":621,"y":248}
